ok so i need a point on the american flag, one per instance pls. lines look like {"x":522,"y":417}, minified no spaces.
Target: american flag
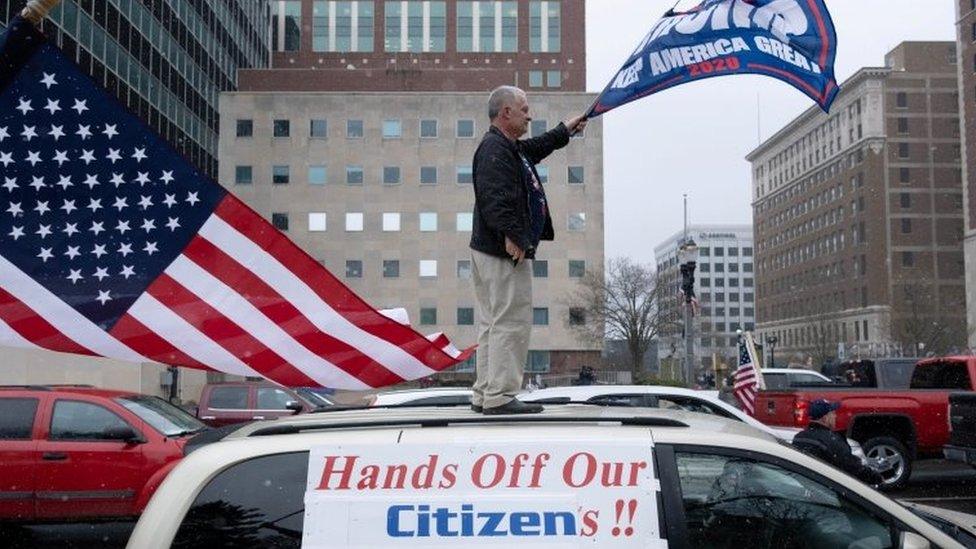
{"x":748,"y":379}
{"x":114,"y":245}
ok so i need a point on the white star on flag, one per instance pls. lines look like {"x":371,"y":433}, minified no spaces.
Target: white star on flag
{"x":52,"y":106}
{"x":122,"y":227}
{"x":139,"y":154}
{"x":120,"y":203}
{"x":91,"y":180}
{"x":44,"y":231}
{"x":173,"y":223}
{"x":57,"y":132}
{"x":60,"y":157}
{"x":3,"y":133}
{"x":145,"y":201}
{"x":113,"y":155}
{"x":70,"y":229}
{"x":100,"y":273}
{"x":48,"y":80}
{"x":6,"y":158}
{"x":29,"y":132}
{"x":64,"y":182}
{"x":37,"y":182}
{"x":142,"y":178}
{"x":192,"y":198}
{"x":10,"y":184}
{"x":75,"y":276}
{"x":42,"y":207}
{"x":83,"y":131}
{"x":25,"y":106}
{"x":103,"y":297}
{"x":80,"y":106}
{"x":125,"y":249}
{"x":170,"y":200}
{"x":45,"y":254}
{"x":87,"y":156}
{"x":72,"y":252}
{"x":99,"y":250}
{"x":17,"y":232}
{"x":14,"y":209}
{"x":148,"y":225}
{"x":97,"y":227}
{"x":150,"y":248}
{"x":117,"y":179}
{"x":110,"y":130}
{"x":166,"y":177}
{"x":68,"y":207}
{"x":94,"y":204}
{"x":33,"y":157}
{"x":127,"y":271}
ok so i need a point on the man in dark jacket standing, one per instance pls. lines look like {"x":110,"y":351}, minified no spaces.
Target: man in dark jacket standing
{"x":821,"y":441}
{"x":511,"y":217}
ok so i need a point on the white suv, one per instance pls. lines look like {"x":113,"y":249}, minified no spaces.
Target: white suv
{"x":571,"y":476}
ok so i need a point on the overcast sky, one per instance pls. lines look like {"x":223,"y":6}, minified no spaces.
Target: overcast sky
{"x":694,"y":138}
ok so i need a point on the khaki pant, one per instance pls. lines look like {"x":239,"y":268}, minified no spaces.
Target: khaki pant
{"x":504,"y":295}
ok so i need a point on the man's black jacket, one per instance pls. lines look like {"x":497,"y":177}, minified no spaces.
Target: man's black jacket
{"x":830,"y":447}
{"x":501,"y":201}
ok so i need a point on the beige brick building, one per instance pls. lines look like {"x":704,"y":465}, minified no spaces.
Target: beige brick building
{"x":966,"y":52}
{"x":381,"y":195}
{"x":858,"y":216}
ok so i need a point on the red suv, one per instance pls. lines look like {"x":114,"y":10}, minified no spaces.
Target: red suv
{"x":239,"y":401}
{"x":80,"y":453}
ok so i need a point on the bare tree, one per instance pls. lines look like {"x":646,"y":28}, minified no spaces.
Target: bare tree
{"x":920,"y":323}
{"x":621,"y":304}
{"x":824,"y":348}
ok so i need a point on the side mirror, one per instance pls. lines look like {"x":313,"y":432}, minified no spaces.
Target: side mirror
{"x":294,"y":406}
{"x":911,"y":540}
{"x":122,"y":433}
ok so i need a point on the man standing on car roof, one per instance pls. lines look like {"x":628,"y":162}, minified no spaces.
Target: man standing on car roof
{"x":821,"y":441}
{"x":511,"y":216}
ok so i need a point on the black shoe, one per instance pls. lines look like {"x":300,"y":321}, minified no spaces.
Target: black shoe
{"x":476,"y":409}
{"x":514,"y":406}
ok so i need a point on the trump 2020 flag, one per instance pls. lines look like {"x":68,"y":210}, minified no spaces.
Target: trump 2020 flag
{"x":114,"y":245}
{"x":792,"y":40}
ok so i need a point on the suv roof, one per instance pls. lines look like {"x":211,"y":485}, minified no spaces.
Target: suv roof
{"x":73,"y":389}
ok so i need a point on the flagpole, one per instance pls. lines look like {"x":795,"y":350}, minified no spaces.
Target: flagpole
{"x":36,"y":10}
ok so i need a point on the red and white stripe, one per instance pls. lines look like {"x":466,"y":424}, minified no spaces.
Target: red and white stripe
{"x":748,"y":379}
{"x":240,"y":299}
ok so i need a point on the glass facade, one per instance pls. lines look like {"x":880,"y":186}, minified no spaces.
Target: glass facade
{"x":415,"y":26}
{"x":166,"y":61}
{"x":342,"y":26}
{"x":487,"y":26}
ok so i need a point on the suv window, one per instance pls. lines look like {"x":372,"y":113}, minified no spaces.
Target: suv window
{"x":271,"y":398}
{"x":691,"y":404}
{"x":635,"y":401}
{"x":228,"y":398}
{"x":775,"y":381}
{"x":256,"y":503}
{"x":942,"y":375}
{"x":738,"y":502}
{"x":76,"y":420}
{"x":17,"y":417}
{"x":805,"y":378}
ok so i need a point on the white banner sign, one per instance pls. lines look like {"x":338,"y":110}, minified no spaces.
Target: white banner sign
{"x":567,"y":494}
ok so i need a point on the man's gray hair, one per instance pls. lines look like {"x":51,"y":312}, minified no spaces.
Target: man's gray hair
{"x":501,"y":96}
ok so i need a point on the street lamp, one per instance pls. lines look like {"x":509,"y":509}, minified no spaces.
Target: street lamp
{"x":772,"y":340}
{"x":688,"y":259}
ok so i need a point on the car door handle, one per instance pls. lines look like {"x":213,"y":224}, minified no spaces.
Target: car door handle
{"x":54,"y":456}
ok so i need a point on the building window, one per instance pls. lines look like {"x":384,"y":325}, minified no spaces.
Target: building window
{"x":574,"y":175}
{"x":282,"y":128}
{"x":539,"y":362}
{"x":704,"y":268}
{"x":904,"y":150}
{"x":243,"y":175}
{"x":747,"y":252}
{"x":392,"y":129}
{"x":391,"y":268}
{"x":577,"y":221}
{"x":544,"y":26}
{"x":554,"y":79}
{"x":428,"y":222}
{"x":904,"y":175}
{"x":465,"y":316}
{"x":280,"y":221}
{"x":733,"y":267}
{"x":428,"y":175}
{"x":464,"y":175}
{"x":428,"y":128}
{"x":905,"y":200}
{"x":354,"y":129}
{"x":535,"y":79}
{"x":391,"y":175}
{"x":906,"y":226}
{"x":318,"y":128}
{"x":428,"y":316}
{"x":577,"y":316}
{"x":907,"y":259}
{"x":414,"y":26}
{"x":901,"y":100}
{"x":719,"y":252}
{"x":316,"y":222}
{"x":428,"y":268}
{"x":577,"y":268}
{"x":540,"y":268}
{"x":538,"y":127}
{"x":354,"y":268}
{"x":543,"y":172}
{"x":354,"y":222}
{"x":705,"y":282}
{"x":245,"y":127}
{"x":902,"y":126}
{"x":317,"y":175}
{"x":464,"y":269}
{"x":342,"y":26}
{"x":487,"y":26}
{"x":465,"y":220}
{"x":391,"y":222}
{"x":540,"y":316}
{"x":720,"y":267}
{"x":748,"y":282}
{"x":286,"y":24}
{"x":354,"y":175}
{"x":465,"y":129}
{"x":280,"y":175}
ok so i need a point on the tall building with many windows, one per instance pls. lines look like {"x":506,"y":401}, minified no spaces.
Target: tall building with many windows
{"x":358,"y":142}
{"x":724,"y":284}
{"x":966,"y":46}
{"x":859,"y":217}
{"x":167,"y":61}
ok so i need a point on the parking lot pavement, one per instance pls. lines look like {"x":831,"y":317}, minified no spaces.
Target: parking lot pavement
{"x":943,"y":484}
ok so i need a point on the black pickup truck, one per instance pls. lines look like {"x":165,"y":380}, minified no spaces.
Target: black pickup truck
{"x":962,"y":428}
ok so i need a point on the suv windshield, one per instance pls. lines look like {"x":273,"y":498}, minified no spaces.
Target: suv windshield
{"x":161,"y":415}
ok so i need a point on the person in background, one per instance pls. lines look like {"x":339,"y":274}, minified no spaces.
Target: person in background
{"x":821,"y":441}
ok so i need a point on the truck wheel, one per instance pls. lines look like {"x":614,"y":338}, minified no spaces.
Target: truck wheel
{"x":894,"y":461}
